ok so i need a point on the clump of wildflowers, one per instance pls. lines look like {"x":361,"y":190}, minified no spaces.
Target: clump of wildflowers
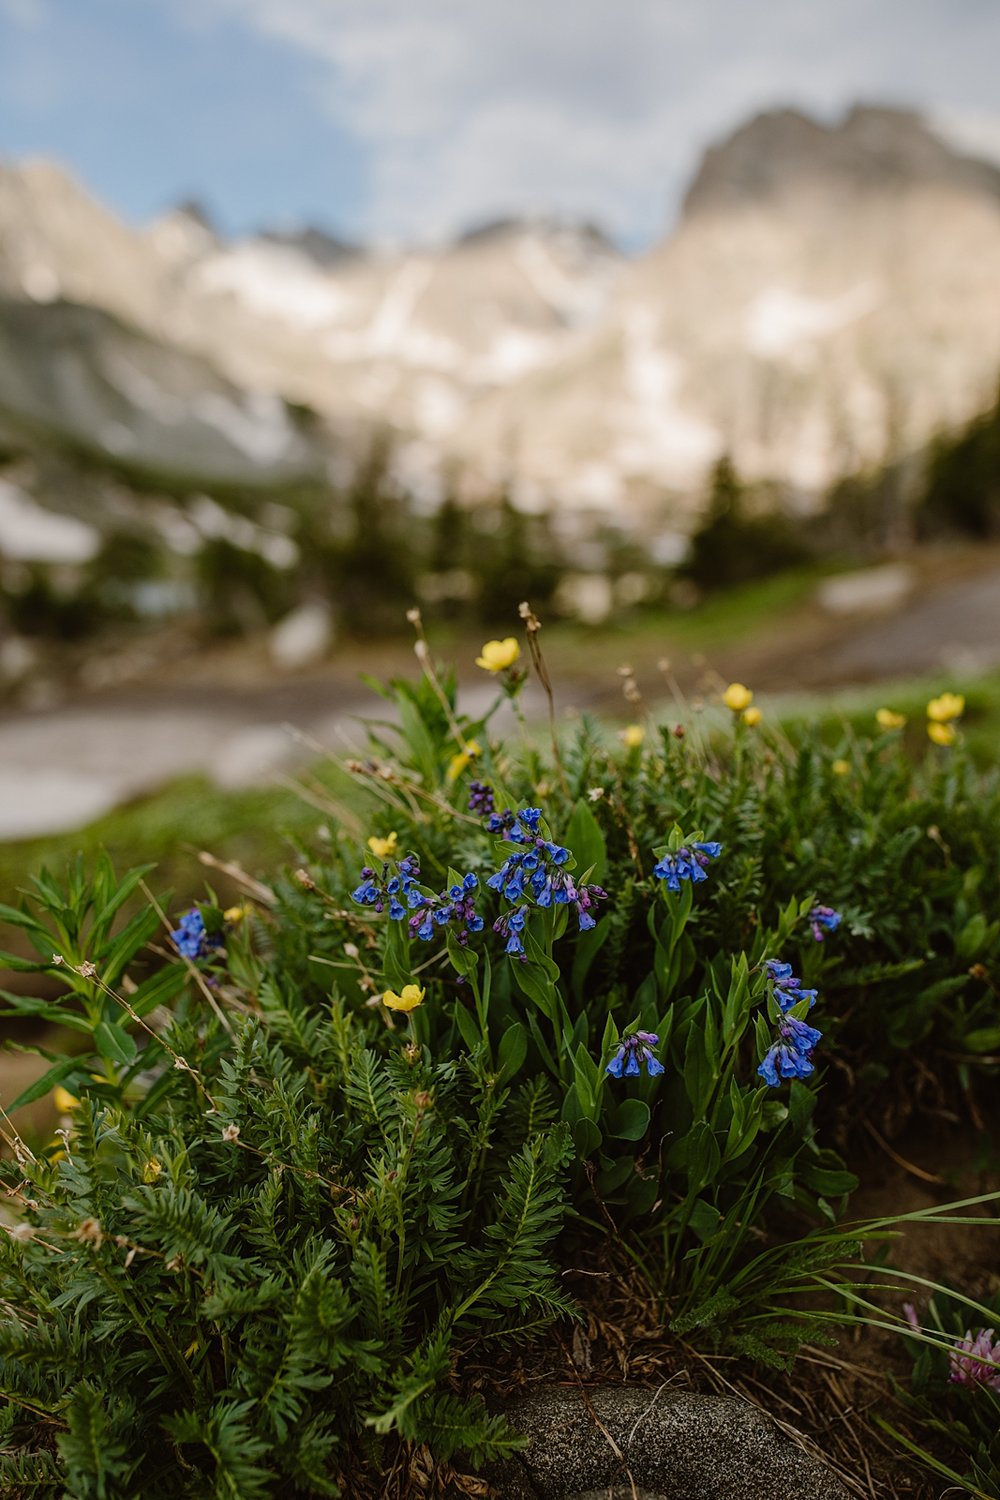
{"x":823,"y":919}
{"x":384,"y":889}
{"x":455,"y":905}
{"x":689,"y":863}
{"x":790,"y":1056}
{"x":633,"y":1051}
{"x":190,"y":938}
{"x":975,"y":1360}
{"x":536,"y":875}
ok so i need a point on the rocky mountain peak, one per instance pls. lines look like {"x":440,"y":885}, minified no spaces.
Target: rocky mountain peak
{"x":872,"y":149}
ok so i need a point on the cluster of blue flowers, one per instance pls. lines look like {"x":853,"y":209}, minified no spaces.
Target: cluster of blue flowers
{"x":633,"y":1050}
{"x":456,"y":905}
{"x":401,"y":893}
{"x":823,"y":919}
{"x":383,"y":889}
{"x":535,"y":876}
{"x":190,"y":938}
{"x":689,"y":863}
{"x":791,"y":1055}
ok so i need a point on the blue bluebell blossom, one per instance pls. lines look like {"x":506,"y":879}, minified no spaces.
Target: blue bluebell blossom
{"x":190,"y":938}
{"x":823,"y":919}
{"x":791,"y":1055}
{"x":689,"y":863}
{"x":632,"y":1052}
{"x":381,"y":889}
{"x":455,"y":906}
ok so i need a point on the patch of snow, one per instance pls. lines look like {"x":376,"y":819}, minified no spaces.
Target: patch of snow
{"x":659,"y":437}
{"x":303,"y":636}
{"x":438,"y":407}
{"x":971,"y":132}
{"x":214,"y":522}
{"x":515,"y":352}
{"x":399,"y":302}
{"x":260,"y":427}
{"x":780,"y":321}
{"x":40,"y":283}
{"x":275,"y":281}
{"x":28,"y":533}
{"x":576,"y":299}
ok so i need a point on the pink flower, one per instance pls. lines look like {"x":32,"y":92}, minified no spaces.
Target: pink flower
{"x":976,"y":1361}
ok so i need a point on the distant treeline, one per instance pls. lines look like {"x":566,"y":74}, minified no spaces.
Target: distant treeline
{"x":370,"y":552}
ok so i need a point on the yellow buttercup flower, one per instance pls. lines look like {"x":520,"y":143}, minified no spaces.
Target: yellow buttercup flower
{"x":942,"y":710}
{"x":497,"y":656}
{"x":886,"y":719}
{"x":384,"y":848}
{"x":751,"y":716}
{"x":411,"y":997}
{"x":737,"y":697}
{"x":633,"y":736}
{"x":841,"y":767}
{"x":463,"y":759}
{"x":941,"y":734}
{"x":65,"y":1102}
{"x":234,"y":914}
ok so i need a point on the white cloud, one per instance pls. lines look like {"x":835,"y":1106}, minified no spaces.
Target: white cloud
{"x":471,"y":108}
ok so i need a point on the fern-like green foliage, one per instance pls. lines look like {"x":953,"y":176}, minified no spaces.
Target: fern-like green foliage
{"x":223,"y":1296}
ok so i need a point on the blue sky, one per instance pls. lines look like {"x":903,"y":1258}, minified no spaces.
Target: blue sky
{"x":411,"y":119}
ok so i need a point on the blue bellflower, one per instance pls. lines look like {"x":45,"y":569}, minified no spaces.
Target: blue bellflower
{"x":190,"y":938}
{"x":689,"y":863}
{"x":632,"y":1051}
{"x":823,"y":919}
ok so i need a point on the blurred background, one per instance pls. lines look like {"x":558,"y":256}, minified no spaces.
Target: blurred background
{"x":680,"y":320}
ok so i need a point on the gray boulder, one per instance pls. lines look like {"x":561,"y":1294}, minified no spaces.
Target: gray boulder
{"x":654,"y":1445}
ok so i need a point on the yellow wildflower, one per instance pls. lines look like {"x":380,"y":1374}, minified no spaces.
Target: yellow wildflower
{"x":751,"y":716}
{"x":841,"y":767}
{"x":633,"y":736}
{"x":737,"y":697}
{"x":65,"y":1102}
{"x":464,"y":758}
{"x":497,"y":656}
{"x":941,"y":734}
{"x":151,"y":1170}
{"x":942,"y":710}
{"x":411,"y":997}
{"x":234,"y":914}
{"x":384,"y":848}
{"x":886,"y":719}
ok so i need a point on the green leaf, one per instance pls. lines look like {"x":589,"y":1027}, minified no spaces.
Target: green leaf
{"x":985,"y":1039}
{"x":629,"y":1121}
{"x":513,"y":1051}
{"x":114,"y":1043}
{"x":468,"y":1027}
{"x":56,"y":1074}
{"x":586,"y":841}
